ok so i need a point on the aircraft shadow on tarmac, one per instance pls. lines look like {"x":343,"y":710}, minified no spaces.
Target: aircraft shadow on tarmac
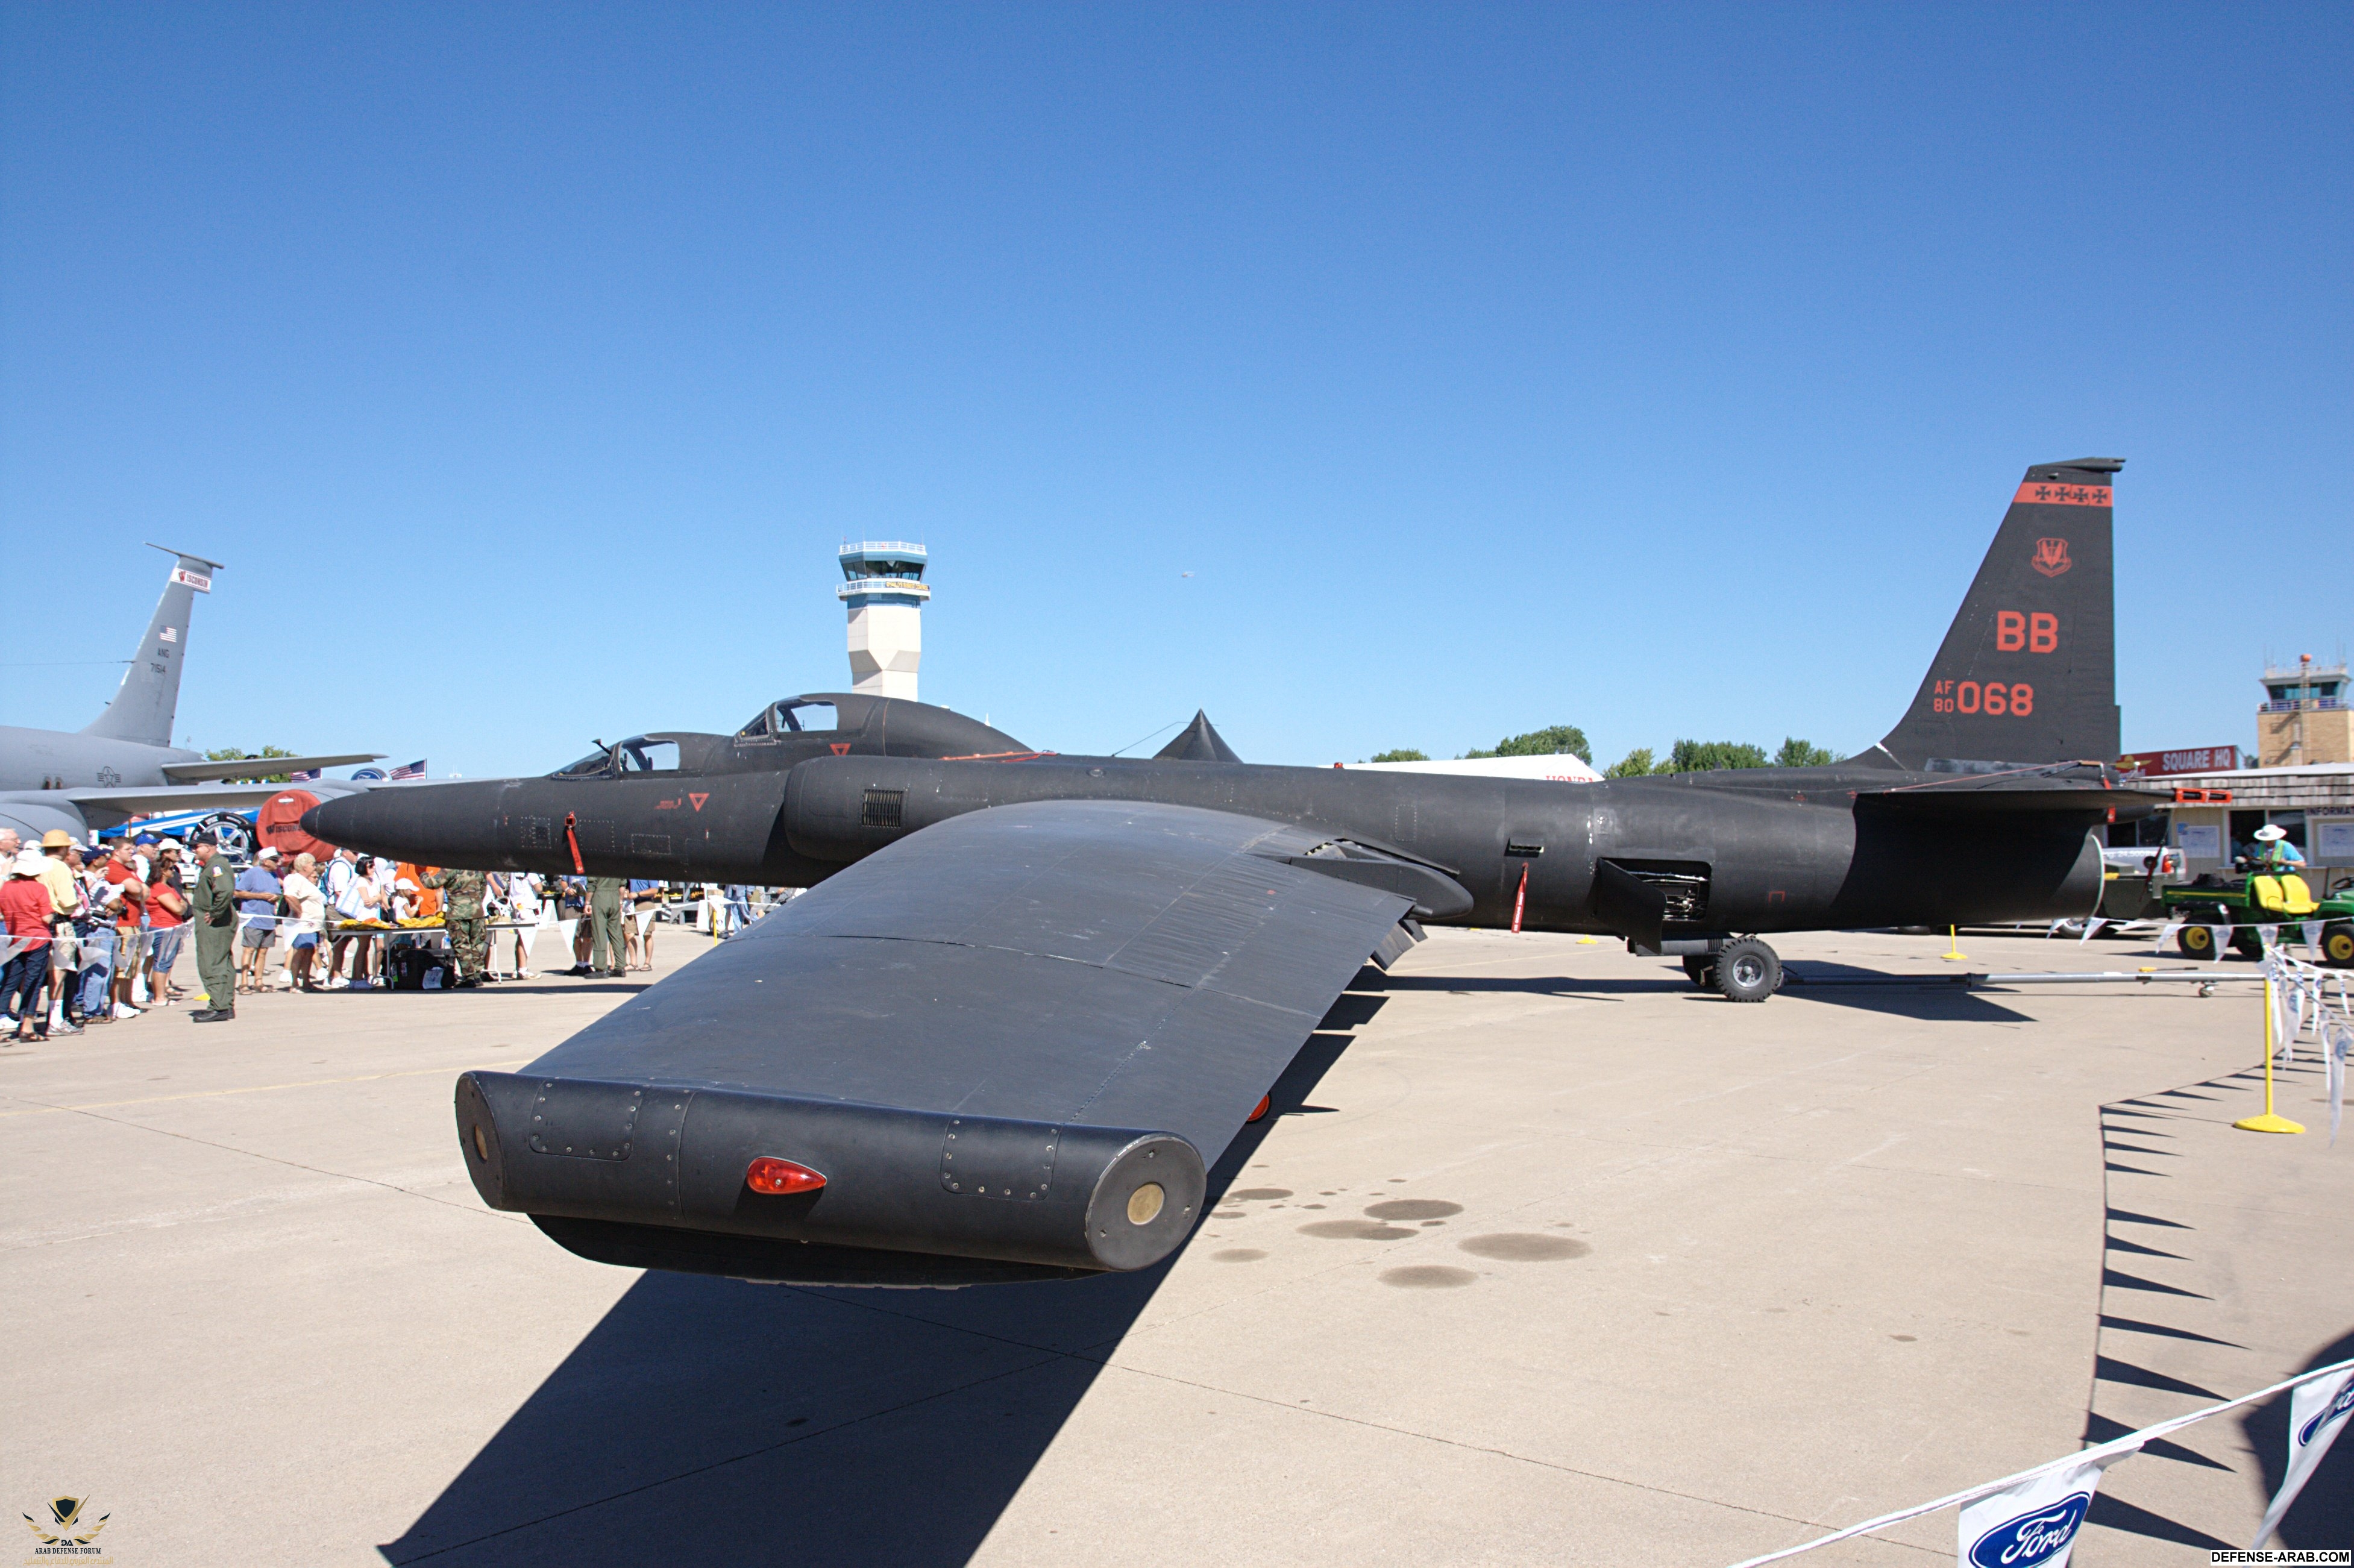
{"x":1933,"y":998}
{"x":709,"y":1420}
{"x":2137,"y":1306}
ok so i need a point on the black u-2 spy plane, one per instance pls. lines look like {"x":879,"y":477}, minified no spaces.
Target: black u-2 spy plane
{"x":1028,"y":997}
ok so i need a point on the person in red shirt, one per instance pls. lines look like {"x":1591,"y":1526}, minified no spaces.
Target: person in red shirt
{"x":25,"y":908}
{"x":129,"y":924}
{"x":167,"y":924}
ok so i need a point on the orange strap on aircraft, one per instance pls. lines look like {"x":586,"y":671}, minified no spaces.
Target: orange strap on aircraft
{"x":1520,"y":898}
{"x":574,"y":844}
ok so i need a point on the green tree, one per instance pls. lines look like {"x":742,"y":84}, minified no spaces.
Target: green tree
{"x":1797,"y":753}
{"x":238,"y":754}
{"x":1634,"y":764}
{"x":1554,"y":740}
{"x":1706,"y":756}
{"x":1403,"y":754}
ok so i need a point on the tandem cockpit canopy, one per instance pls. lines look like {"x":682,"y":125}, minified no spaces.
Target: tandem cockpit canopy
{"x":792,"y":715}
{"x":639,"y":754}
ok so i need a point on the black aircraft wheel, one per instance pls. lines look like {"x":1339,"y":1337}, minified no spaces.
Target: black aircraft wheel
{"x":2195,"y":942}
{"x":1701,"y":970}
{"x":1747,"y":970}
{"x":2337,"y":945}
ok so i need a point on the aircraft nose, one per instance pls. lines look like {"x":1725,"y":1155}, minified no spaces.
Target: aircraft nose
{"x":432,"y":825}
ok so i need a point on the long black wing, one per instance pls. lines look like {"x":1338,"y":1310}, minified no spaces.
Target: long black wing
{"x":990,"y":1038}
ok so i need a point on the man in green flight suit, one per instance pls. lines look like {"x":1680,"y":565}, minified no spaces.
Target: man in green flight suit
{"x":605,"y":955}
{"x":212,"y":910}
{"x":462,"y":911}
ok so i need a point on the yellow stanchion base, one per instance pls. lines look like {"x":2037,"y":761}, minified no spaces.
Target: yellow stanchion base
{"x":1954,"y":955}
{"x":2268,"y":1123}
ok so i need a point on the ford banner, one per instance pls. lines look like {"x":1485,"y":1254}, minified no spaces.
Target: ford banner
{"x":2317,"y":1414}
{"x":2033,"y":1524}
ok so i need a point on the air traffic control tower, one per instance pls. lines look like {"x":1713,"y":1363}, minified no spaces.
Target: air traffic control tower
{"x":886,"y":592}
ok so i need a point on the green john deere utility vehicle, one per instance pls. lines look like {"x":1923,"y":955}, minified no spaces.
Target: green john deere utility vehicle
{"x":2249,"y":897}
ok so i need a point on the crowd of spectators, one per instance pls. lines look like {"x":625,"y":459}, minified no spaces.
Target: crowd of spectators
{"x":93,"y":934}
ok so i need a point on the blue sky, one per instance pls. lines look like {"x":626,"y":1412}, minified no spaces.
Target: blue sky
{"x":1661,"y":370}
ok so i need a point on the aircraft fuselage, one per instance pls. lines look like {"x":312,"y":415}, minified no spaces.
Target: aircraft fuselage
{"x":1754,"y":851}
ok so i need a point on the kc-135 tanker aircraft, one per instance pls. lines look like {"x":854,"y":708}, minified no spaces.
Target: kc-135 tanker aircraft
{"x":1028,"y":998}
{"x":123,"y":761}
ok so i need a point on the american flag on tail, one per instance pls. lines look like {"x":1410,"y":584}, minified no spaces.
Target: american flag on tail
{"x":409,"y":770}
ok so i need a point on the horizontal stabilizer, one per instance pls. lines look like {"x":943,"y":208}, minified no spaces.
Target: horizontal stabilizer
{"x":145,"y":799}
{"x":245,"y":768}
{"x":2001,"y":797}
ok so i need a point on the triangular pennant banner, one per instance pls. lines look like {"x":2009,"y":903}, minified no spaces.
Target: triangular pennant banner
{"x":2035,"y":1521}
{"x":2317,"y":1413}
{"x":2337,"y":1042}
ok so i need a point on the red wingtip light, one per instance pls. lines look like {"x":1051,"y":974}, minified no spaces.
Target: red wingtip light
{"x":768,"y":1174}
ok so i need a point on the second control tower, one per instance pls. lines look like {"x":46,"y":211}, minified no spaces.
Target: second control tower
{"x":886,"y":592}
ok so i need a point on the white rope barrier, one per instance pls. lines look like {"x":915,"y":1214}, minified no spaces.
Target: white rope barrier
{"x":2101,"y":1454}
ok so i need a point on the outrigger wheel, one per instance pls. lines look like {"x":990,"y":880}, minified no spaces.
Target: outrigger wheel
{"x":1747,"y":970}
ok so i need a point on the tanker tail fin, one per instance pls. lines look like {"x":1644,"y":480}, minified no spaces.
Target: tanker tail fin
{"x":149,"y":698}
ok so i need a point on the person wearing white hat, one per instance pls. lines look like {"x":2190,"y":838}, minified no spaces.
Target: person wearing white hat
{"x":2278,"y":854}
{"x":65,"y":903}
{"x":26,"y":909}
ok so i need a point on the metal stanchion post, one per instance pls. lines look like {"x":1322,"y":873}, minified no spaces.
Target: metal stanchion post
{"x":2268,"y":1122}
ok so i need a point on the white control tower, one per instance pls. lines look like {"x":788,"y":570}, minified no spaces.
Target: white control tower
{"x":886,"y":592}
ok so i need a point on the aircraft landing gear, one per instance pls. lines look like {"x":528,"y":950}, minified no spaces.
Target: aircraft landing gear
{"x":1701,"y":970}
{"x":1746,"y":970}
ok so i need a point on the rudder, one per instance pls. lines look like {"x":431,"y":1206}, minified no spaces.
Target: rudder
{"x":2040,"y":620}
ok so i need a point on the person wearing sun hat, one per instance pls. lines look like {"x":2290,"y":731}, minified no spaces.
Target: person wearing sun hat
{"x":65,"y":902}
{"x":2277,"y":853}
{"x":26,"y":909}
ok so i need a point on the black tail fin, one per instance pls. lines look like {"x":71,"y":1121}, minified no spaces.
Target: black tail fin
{"x":150,"y":693}
{"x":2029,"y":670}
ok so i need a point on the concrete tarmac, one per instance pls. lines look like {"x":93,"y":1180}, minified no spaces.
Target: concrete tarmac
{"x":1548,"y":1258}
